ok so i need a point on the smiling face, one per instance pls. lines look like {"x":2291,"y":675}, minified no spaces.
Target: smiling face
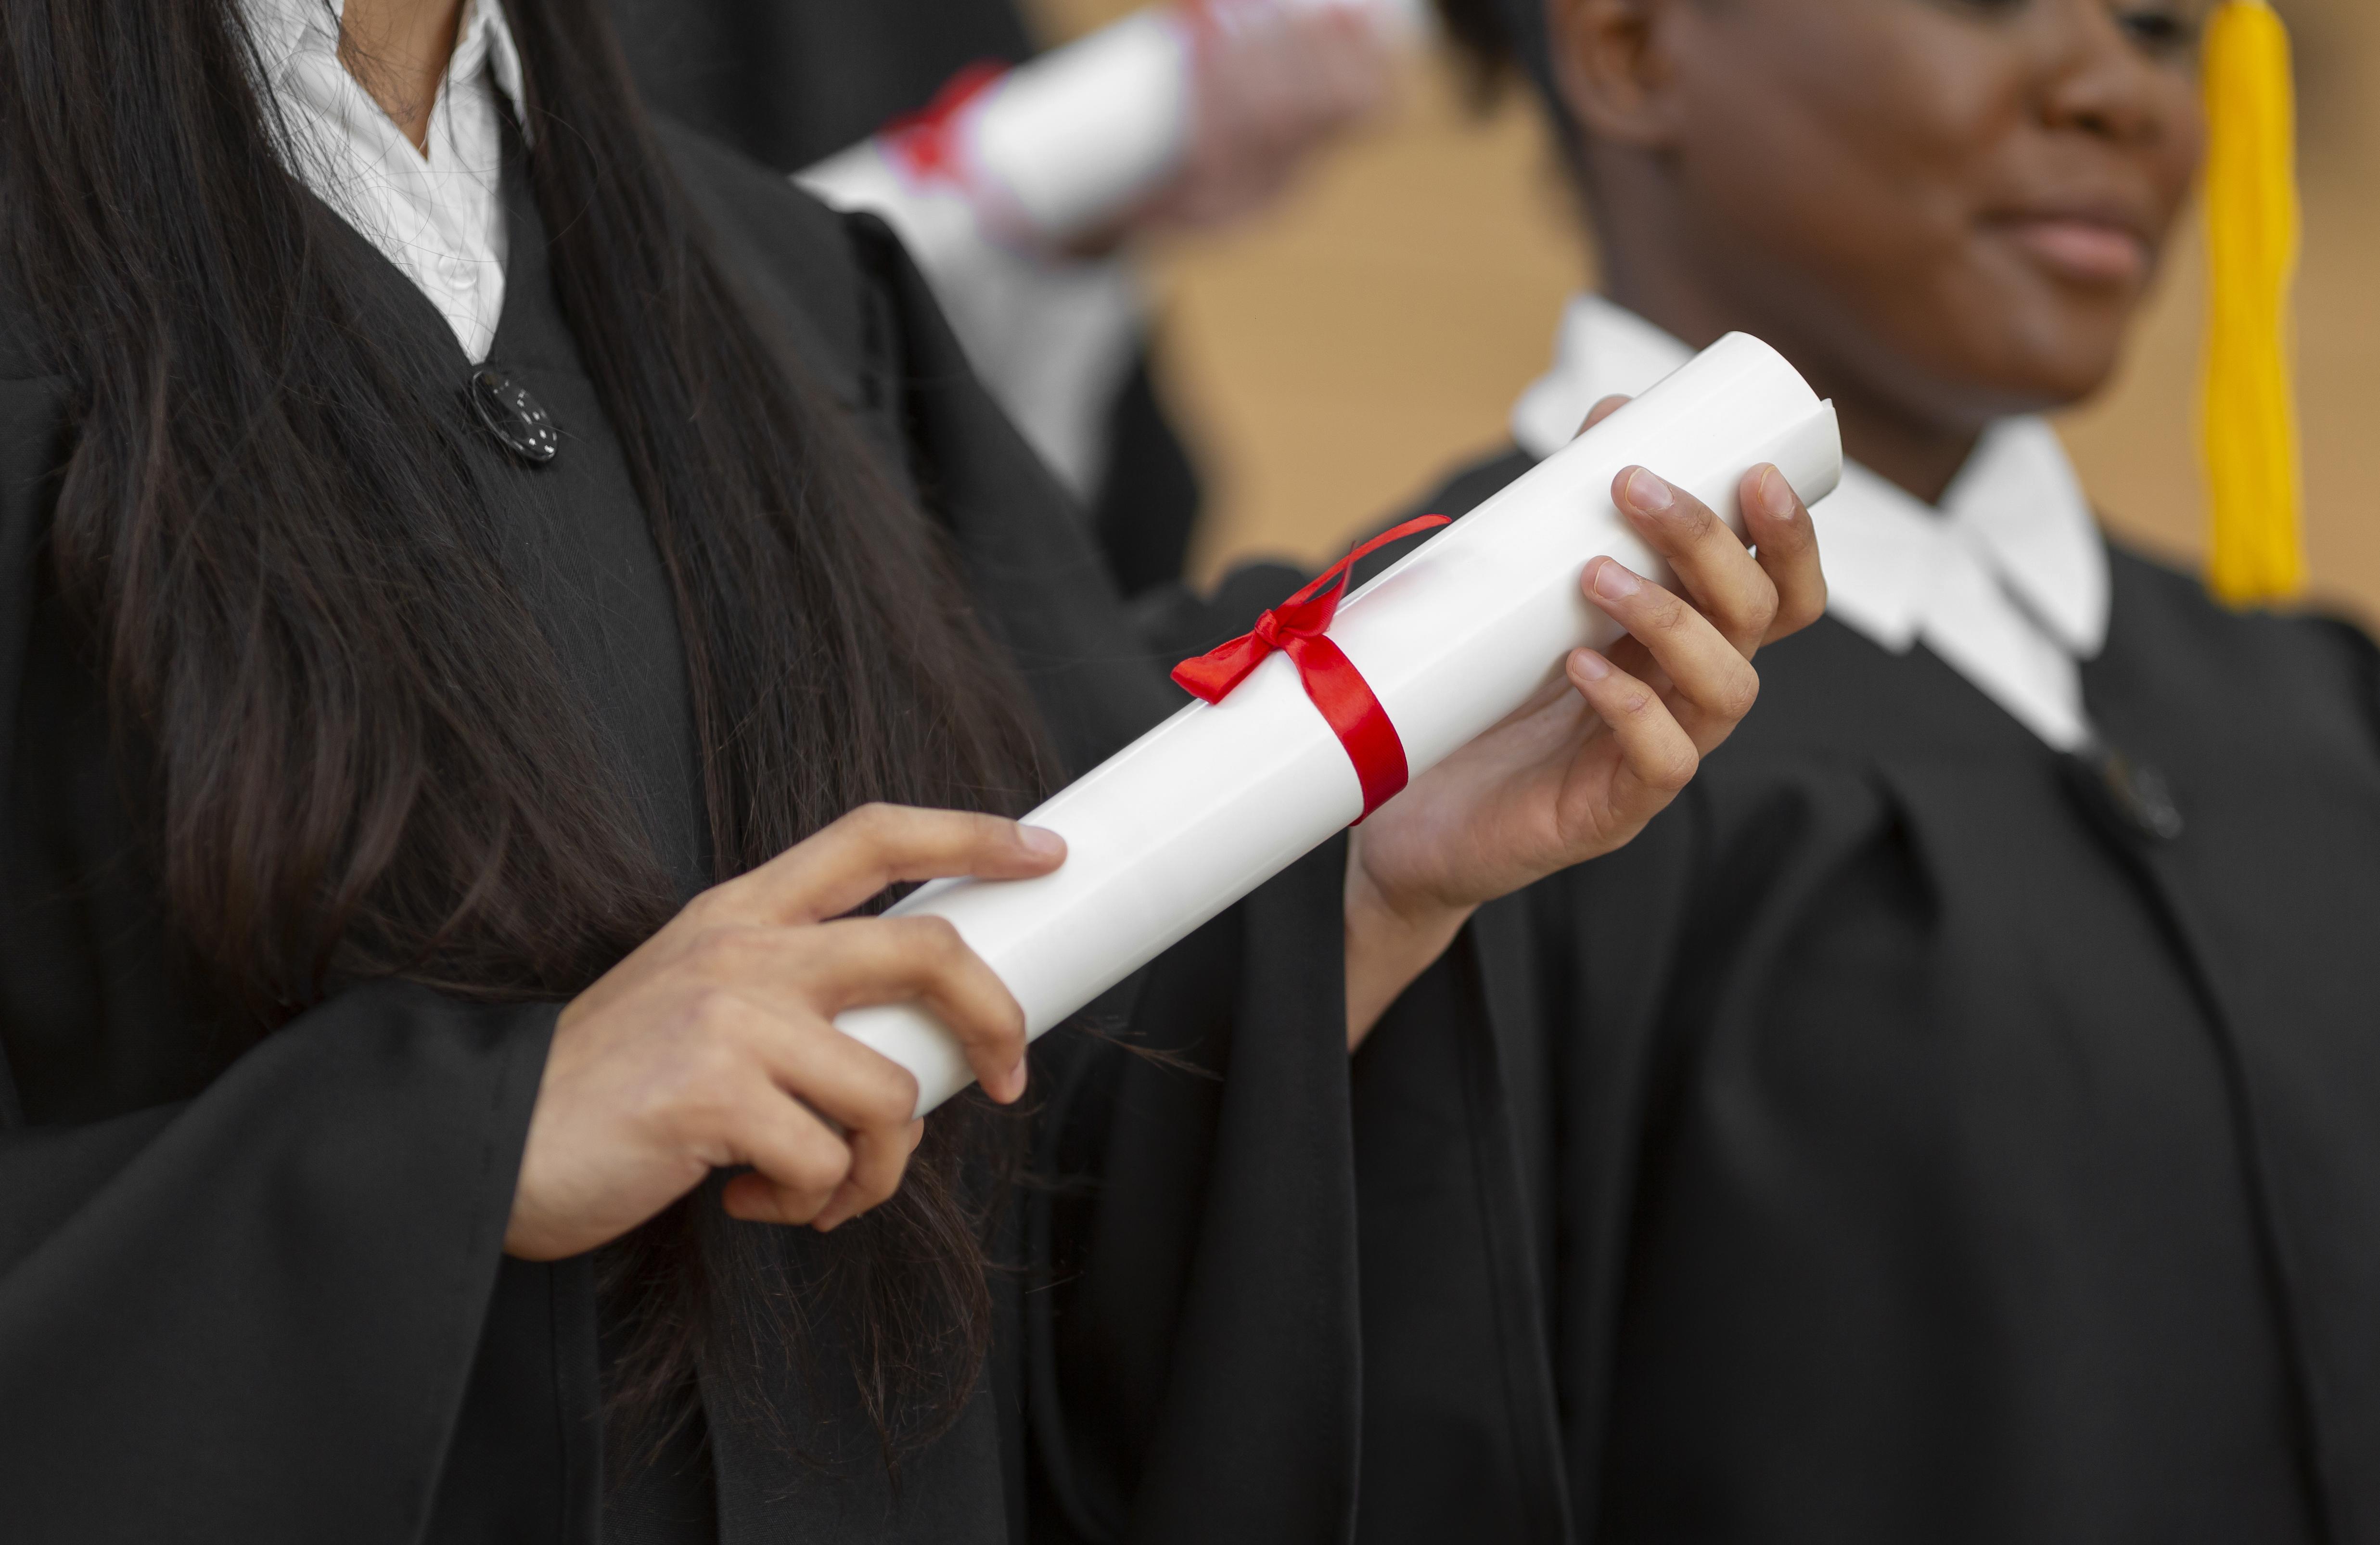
{"x":1953,"y":205}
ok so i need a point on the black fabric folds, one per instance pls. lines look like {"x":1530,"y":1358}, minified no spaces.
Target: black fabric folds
{"x":1924,"y":1152}
{"x":253,"y":1291}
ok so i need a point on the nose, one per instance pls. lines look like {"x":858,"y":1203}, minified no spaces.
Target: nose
{"x":2099,"y":81}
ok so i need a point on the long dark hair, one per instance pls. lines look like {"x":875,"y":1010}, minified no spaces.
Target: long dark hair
{"x":353,"y":743}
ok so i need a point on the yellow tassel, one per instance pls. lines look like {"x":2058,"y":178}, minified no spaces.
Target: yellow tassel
{"x":2247,"y":416}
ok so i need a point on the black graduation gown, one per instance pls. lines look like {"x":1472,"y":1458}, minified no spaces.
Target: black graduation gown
{"x":253,"y":1290}
{"x":1924,"y":1142}
{"x":794,"y":81}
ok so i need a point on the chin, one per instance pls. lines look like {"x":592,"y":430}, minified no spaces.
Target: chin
{"x":2038,"y":346}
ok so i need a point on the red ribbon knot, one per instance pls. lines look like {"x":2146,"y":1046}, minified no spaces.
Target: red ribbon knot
{"x":1299,"y":628}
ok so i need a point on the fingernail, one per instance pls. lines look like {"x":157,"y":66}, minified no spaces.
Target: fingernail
{"x":1590,"y":664}
{"x":1613,"y":582}
{"x":1647,"y":492}
{"x":1776,"y":497}
{"x":1041,"y":842}
{"x":1017,"y":1080}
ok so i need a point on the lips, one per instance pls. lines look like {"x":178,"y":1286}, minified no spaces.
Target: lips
{"x":2086,"y":247}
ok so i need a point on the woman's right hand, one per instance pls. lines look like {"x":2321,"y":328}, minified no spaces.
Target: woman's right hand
{"x":1270,"y":86}
{"x":713,"y":1045}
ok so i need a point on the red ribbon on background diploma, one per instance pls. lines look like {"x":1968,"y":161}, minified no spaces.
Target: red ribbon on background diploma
{"x":1298,"y":628}
{"x":924,"y":143}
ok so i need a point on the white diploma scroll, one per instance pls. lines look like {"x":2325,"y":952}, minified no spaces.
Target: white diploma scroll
{"x":1218,"y":799}
{"x":1076,"y":138}
{"x":1066,"y":142}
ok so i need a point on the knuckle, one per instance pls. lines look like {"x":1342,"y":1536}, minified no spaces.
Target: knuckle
{"x":997,"y":1040}
{"x":1741,"y":692}
{"x":718,"y":1061}
{"x":994,"y":1024}
{"x":716,"y":1014}
{"x":700,"y":1085}
{"x":722,"y":951}
{"x":875,"y":821}
{"x":816,"y":1168}
{"x":1664,"y":613}
{"x":877,"y":1187}
{"x":888,"y":1097}
{"x":936,"y":939}
{"x":1693,"y":520}
{"x":1674,"y":769}
{"x":706,"y":910}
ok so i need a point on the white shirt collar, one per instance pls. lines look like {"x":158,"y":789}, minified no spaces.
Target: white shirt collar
{"x":438,"y":216}
{"x":280,"y":29}
{"x":2006,"y":580}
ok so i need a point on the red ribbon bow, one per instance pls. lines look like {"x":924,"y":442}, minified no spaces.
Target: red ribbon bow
{"x":1298,"y":628}
{"x":926,"y":142}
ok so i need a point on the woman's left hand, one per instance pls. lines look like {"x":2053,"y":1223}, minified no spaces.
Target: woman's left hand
{"x":1578,"y":772}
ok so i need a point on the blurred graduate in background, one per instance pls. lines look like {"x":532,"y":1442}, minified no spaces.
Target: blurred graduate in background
{"x":1982,"y":1139}
{"x":1022,"y":192}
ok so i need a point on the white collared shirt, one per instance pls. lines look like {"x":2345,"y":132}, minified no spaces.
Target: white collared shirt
{"x":2006,"y":580}
{"x":438,"y":217}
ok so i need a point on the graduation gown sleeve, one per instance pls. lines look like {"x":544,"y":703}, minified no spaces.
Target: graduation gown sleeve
{"x":237,"y":1291}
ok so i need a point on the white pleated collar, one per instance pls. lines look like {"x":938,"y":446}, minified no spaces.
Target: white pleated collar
{"x":2006,"y":580}
{"x":436,"y":213}
{"x":281,"y":30}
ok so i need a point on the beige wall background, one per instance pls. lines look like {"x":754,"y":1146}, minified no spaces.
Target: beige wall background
{"x":1334,"y":360}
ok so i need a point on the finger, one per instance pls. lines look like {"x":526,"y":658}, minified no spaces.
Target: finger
{"x":1709,"y":678}
{"x":797,"y":1162}
{"x":1604,"y":409}
{"x":877,"y":845}
{"x":887,"y":960}
{"x":876,"y":1167}
{"x":808,"y":973}
{"x":846,"y":1082}
{"x":1785,"y":540}
{"x":1713,"y":567}
{"x":1657,"y":758}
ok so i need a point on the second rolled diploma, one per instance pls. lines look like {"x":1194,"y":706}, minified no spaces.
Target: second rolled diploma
{"x":1039,"y":155}
{"x":1221,"y":798}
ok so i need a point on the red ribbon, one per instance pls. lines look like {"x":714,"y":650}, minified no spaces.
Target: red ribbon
{"x":926,"y":142}
{"x":1298,"y":628}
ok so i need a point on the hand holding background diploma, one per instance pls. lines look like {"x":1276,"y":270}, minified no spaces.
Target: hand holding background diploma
{"x":1269,"y":86}
{"x":1179,"y":115}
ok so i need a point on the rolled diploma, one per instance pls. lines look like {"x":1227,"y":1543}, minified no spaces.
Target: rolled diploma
{"x":1074,"y":139}
{"x":1219,"y":799}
